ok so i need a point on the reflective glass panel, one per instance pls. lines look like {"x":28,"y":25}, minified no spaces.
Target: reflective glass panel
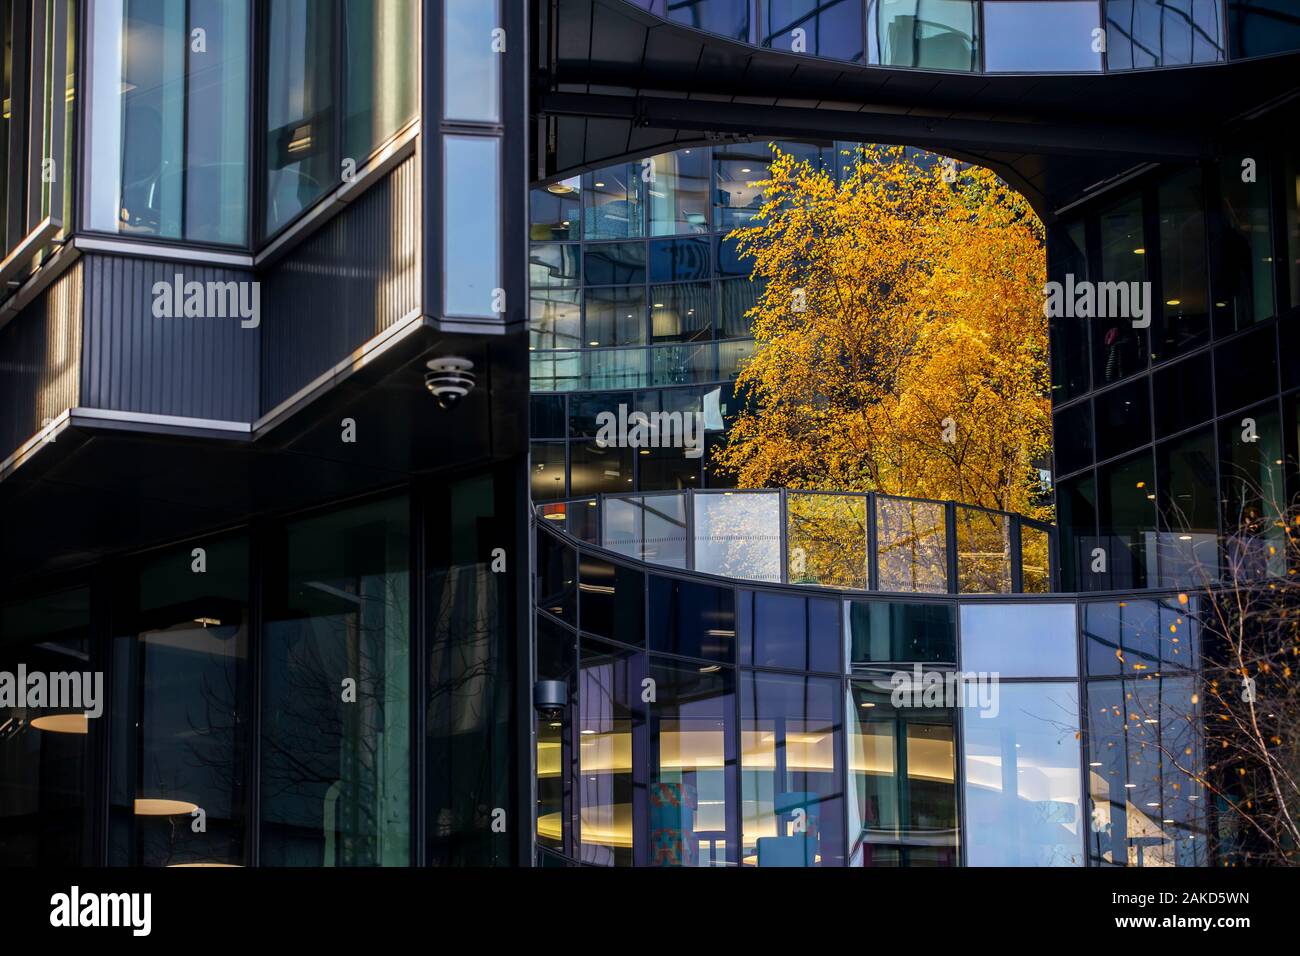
{"x":1185,"y":321}
{"x":1019,"y":640}
{"x":1150,"y":33}
{"x":608,"y":725}
{"x":1021,"y":777}
{"x":181,"y":699}
{"x":911,"y":545}
{"x":738,"y":536}
{"x":679,"y":192}
{"x":902,"y":763}
{"x":983,"y":552}
{"x":613,"y":203}
{"x":168,"y":120}
{"x":1119,"y":349}
{"x":336,"y":745}
{"x":1060,"y":36}
{"x":692,"y":620}
{"x":829,"y":28}
{"x":45,"y":764}
{"x":827,"y":540}
{"x":692,"y":812}
{"x":892,"y":631}
{"x":472,"y":61}
{"x":1243,"y":246}
{"x":300,"y":109}
{"x":934,"y":34}
{"x":471,"y":225}
{"x":381,"y":68}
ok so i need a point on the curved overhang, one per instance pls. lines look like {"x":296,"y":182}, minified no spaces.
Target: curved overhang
{"x":615,"y":82}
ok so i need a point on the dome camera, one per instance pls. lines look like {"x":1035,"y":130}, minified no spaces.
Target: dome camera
{"x":449,"y":380}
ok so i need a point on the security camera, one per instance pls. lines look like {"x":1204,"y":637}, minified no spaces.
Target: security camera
{"x":549,"y":698}
{"x":449,"y":380}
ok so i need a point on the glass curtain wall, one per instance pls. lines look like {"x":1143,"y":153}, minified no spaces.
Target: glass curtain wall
{"x":341,"y":81}
{"x":45,"y":755}
{"x":180,"y":776}
{"x":168,"y":119}
{"x":336,"y":743}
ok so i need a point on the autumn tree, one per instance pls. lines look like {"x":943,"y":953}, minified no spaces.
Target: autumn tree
{"x":901,"y":344}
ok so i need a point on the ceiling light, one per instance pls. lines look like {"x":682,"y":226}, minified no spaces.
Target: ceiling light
{"x":1174,"y":302}
{"x":562,"y":189}
{"x":63,"y":724}
{"x":149,"y":807}
{"x":1139,"y":252}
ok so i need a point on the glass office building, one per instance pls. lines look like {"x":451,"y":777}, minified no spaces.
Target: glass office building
{"x":308,"y":308}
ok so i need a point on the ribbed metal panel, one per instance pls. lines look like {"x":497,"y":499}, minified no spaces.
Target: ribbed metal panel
{"x":191,"y":367}
{"x":40,"y":357}
{"x":349,"y":282}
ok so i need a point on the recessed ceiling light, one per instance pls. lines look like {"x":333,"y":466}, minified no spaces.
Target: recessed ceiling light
{"x":1139,"y":252}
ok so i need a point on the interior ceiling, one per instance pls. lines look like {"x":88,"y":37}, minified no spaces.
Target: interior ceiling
{"x":617,"y":82}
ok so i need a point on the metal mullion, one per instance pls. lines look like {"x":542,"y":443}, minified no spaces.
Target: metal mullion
{"x":18,"y":93}
{"x":36,"y":102}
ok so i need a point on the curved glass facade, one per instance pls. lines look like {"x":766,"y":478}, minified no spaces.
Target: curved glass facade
{"x":856,"y":542}
{"x":1001,"y":36}
{"x":716,"y":723}
{"x":1176,"y":420}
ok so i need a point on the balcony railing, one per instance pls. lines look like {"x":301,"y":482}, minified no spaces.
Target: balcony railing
{"x":850,"y":541}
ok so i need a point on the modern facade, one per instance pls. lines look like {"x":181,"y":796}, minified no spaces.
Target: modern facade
{"x":282,"y":279}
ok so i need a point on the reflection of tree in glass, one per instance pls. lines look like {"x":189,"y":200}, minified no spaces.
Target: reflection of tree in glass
{"x":827,"y":537}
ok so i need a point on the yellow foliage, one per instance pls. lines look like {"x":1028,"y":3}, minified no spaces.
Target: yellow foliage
{"x":901,"y":344}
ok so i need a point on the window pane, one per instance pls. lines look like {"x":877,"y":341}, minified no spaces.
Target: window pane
{"x":884,"y":632}
{"x":1184,"y":319}
{"x":1069,"y":333}
{"x":382,"y":69}
{"x":681,"y":313}
{"x":153,"y":171}
{"x":739,"y":535}
{"x":594,"y":470}
{"x":1123,"y":419}
{"x":827,"y":537}
{"x":471,"y":67}
{"x":1254,"y":494}
{"x":1118,"y":348}
{"x":692,"y":620}
{"x":665,"y":530}
{"x":1076,"y":508}
{"x":1019,"y":640}
{"x":615,"y":316}
{"x":216,"y":170}
{"x":300,"y":147}
{"x":547,"y":471}
{"x":472,"y":224}
{"x":1035,"y":560}
{"x":1261,"y":27}
{"x":692,"y":766}
{"x":911,"y":545}
{"x":1145,"y":811}
{"x":830,"y":28}
{"x":336,"y":776}
{"x":553,"y":265}
{"x":181,"y":705}
{"x":556,"y":211}
{"x":1022,"y":778}
{"x":1291,"y":202}
{"x":1243,"y":249}
{"x":1054,"y":37}
{"x":554,"y":320}
{"x":613,"y":202}
{"x":1073,"y":435}
{"x":1141,"y":638}
{"x":44,"y":811}
{"x":1188,"y":543}
{"x":1182,"y":398}
{"x":738,"y":170}
{"x":735,"y":298}
{"x":903,"y":764}
{"x":792,"y":774}
{"x":678,"y":260}
{"x":934,"y":34}
{"x":1149,"y":33}
{"x":614,"y":263}
{"x":983,"y":552}
{"x":1127,"y":514}
{"x":1255,"y":350}
{"x":781,"y":630}
{"x":612,"y":600}
{"x":606,"y":730}
{"x":727,"y":17}
{"x":679,"y":192}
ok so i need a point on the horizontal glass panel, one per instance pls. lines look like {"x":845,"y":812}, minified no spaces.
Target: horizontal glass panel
{"x":1019,"y":640}
{"x":827,"y":540}
{"x":912,"y":549}
{"x":739,"y":535}
{"x":983,"y":552}
{"x":1056,"y":36}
